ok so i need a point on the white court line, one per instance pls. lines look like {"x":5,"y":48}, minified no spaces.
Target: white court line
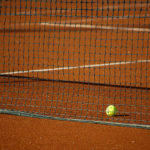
{"x":100,"y":8}
{"x":75,"y":67}
{"x":84,"y":26}
{"x":94,"y":27}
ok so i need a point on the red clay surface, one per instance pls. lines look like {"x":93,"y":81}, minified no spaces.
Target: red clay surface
{"x":36,"y":134}
{"x":25,"y":47}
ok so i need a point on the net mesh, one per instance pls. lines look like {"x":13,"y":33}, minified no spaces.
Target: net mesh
{"x":72,"y":58}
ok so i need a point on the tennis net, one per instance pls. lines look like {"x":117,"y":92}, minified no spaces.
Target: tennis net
{"x":70,"y":59}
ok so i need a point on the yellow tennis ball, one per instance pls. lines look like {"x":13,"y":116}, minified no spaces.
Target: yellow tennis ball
{"x":111,"y":110}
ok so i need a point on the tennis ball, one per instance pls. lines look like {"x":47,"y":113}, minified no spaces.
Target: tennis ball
{"x":111,"y":110}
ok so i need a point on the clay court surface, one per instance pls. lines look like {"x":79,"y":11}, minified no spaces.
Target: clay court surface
{"x":28,"y":133}
{"x":37,"y":49}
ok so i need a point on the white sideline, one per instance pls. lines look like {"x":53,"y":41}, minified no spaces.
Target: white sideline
{"x":84,"y":26}
{"x":75,"y":67}
{"x":94,"y":27}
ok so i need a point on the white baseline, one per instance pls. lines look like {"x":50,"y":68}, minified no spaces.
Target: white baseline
{"x":94,"y":27}
{"x":75,"y":67}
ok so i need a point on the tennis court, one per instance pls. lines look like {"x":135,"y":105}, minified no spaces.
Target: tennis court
{"x":71,"y":59}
